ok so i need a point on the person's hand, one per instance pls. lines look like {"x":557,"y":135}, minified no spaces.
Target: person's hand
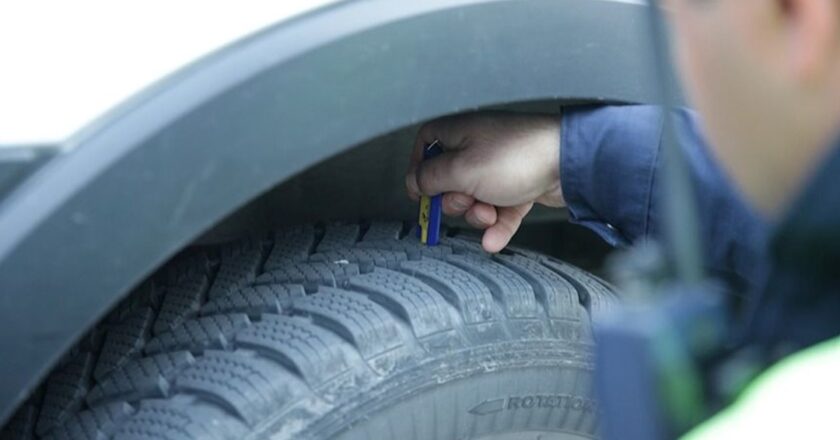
{"x":494,"y":167}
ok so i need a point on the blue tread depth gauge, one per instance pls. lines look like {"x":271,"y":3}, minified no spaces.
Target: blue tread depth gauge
{"x":428,"y":221}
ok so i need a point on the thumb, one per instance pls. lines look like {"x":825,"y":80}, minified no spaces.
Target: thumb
{"x":440,"y":174}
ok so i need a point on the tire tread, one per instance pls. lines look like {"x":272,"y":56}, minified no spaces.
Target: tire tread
{"x":310,"y":316}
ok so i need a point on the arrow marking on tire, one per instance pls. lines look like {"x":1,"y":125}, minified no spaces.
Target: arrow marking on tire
{"x":488,"y":407}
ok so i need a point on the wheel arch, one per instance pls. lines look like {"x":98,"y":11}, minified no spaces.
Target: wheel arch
{"x":136,"y":186}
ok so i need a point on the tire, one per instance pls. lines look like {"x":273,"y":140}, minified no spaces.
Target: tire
{"x":347,"y":332}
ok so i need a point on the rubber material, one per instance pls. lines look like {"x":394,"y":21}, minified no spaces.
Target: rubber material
{"x":355,"y":331}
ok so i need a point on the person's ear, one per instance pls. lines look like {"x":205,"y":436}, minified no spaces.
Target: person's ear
{"x":812,"y":34}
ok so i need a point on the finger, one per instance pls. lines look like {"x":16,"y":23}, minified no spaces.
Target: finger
{"x":497,"y":236}
{"x":456,"y":204}
{"x":481,"y":215}
{"x":450,"y":131}
{"x":425,"y":136}
{"x":415,"y":158}
{"x":440,"y":174}
{"x":444,"y":173}
{"x":411,"y":186}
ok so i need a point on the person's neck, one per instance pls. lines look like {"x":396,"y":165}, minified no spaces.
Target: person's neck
{"x":797,"y":149}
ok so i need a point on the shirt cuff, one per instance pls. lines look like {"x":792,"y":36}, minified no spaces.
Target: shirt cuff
{"x":608,"y":161}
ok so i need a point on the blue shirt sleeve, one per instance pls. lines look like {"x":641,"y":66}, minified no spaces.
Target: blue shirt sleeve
{"x":610,"y":169}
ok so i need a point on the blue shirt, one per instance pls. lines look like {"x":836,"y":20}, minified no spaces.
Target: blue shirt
{"x":610,"y":169}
